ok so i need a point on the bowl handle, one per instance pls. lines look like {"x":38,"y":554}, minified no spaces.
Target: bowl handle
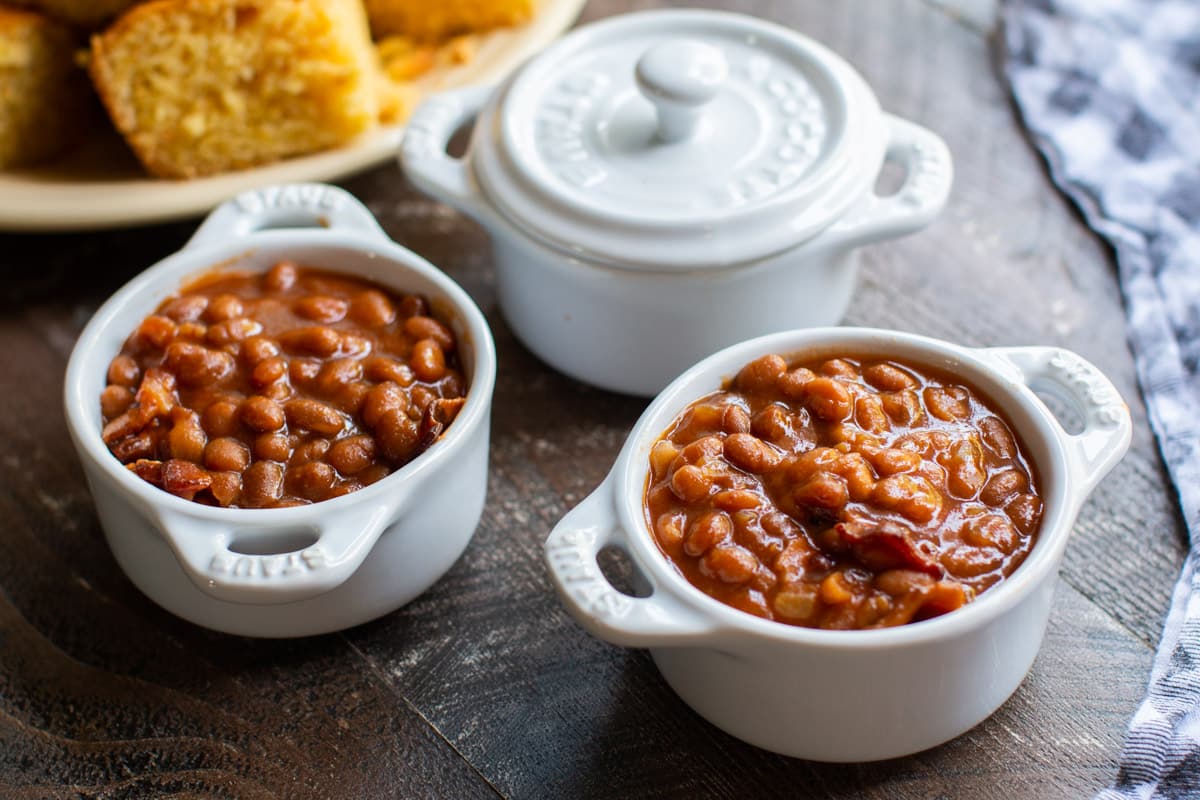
{"x":928,"y":175}
{"x":659,"y":620}
{"x":423,"y":151}
{"x":1107,"y":428}
{"x":289,"y":205}
{"x":204,"y":550}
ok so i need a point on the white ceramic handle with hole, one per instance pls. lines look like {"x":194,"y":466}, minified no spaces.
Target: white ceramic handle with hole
{"x":1107,"y":428}
{"x":660,"y":620}
{"x":426,"y":136}
{"x":290,"y":205}
{"x":205,"y":551}
{"x":928,"y":176}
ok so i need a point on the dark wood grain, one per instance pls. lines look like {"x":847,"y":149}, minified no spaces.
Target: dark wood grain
{"x":483,"y":686}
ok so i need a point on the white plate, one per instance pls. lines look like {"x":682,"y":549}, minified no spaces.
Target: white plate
{"x":101,"y":185}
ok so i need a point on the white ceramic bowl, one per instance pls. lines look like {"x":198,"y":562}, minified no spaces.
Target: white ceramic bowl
{"x":310,"y":569}
{"x":846,"y":695}
{"x":618,"y":212}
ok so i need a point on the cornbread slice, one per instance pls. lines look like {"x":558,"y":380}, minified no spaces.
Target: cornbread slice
{"x":424,"y":20}
{"x":43,"y":92}
{"x":90,"y":14}
{"x":204,"y":86}
{"x":404,"y":61}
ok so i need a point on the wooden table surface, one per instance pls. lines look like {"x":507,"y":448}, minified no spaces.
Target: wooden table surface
{"x":483,"y":686}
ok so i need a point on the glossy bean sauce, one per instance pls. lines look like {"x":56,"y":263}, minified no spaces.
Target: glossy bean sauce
{"x":842,"y":493}
{"x":282,"y":388}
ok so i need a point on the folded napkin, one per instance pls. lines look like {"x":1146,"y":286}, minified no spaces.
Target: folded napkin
{"x":1110,"y":90}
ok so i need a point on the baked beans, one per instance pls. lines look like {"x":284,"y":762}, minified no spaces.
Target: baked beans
{"x":842,"y":493}
{"x":288,"y":387}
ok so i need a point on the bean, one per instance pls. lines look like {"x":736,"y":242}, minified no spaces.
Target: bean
{"x":397,"y":436}
{"x":372,"y":309}
{"x":428,"y":361}
{"x":699,"y":420}
{"x":669,"y":529}
{"x":887,"y":377}
{"x":997,"y":437}
{"x":990,"y":530}
{"x":124,"y":371}
{"x":374,"y":474}
{"x":226,"y":454}
{"x":413,"y":305}
{"x":338,"y":373}
{"x":197,"y":365}
{"x":317,"y":340}
{"x":1025,"y":510}
{"x":226,"y":487}
{"x":839,"y":368}
{"x":792,"y":384}
{"x":186,"y":440}
{"x":261,"y":414}
{"x":220,"y":418}
{"x":187,"y":308}
{"x":702,"y":451}
{"x":193,"y":332}
{"x":280,"y":277}
{"x":730,"y":563}
{"x":965,"y":473}
{"x":827,"y":399}
{"x":708,"y":530}
{"x":823,"y":490}
{"x":891,"y":460}
{"x":775,"y":424}
{"x":352,"y":455}
{"x":257,"y":349}
{"x":904,"y":407}
{"x":232,"y":330}
{"x":380,"y":400}
{"x":751,"y":454}
{"x":898,"y":582}
{"x":950,"y":403}
{"x":869,"y":414}
{"x":855,"y":470}
{"x":268,"y":371}
{"x":115,"y":400}
{"x":422,"y":327}
{"x":382,"y":368}
{"x":315,"y":416}
{"x":355,"y":346}
{"x":690,"y":484}
{"x":1001,"y":486}
{"x":313,"y":480}
{"x":965,"y":561}
{"x":351,"y":397}
{"x":761,"y":374}
{"x":262,"y":484}
{"x":321,"y":308}
{"x":156,"y":332}
{"x":303,"y":371}
{"x":735,"y":420}
{"x":272,"y":447}
{"x":910,"y":495}
{"x":737,"y":499}
{"x":223,"y":307}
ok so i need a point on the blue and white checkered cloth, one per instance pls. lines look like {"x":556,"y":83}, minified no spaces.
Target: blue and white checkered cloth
{"x":1110,"y":90}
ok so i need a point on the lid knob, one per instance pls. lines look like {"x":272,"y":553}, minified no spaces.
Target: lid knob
{"x":680,"y":76}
